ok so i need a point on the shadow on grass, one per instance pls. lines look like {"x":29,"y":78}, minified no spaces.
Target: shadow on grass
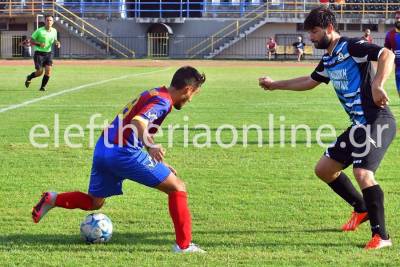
{"x":274,"y":241}
{"x":271,"y":230}
{"x":163,"y":241}
{"x":57,"y":242}
{"x":323,"y":230}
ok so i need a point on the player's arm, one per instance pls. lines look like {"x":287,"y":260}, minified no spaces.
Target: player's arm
{"x":156,"y":151}
{"x":154,"y":109}
{"x":384,"y":69}
{"x":362,"y":51}
{"x":57,"y":43}
{"x":297,"y":84}
{"x":304,"y":83}
{"x":36,"y":43}
{"x":140,"y":125}
{"x":24,"y":42}
{"x":388,"y":44}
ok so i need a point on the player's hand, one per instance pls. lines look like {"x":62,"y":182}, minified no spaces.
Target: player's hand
{"x":380,"y":97}
{"x":266,"y":83}
{"x":171,"y":168}
{"x":58,"y":44}
{"x":42,"y":45}
{"x":157,"y":152}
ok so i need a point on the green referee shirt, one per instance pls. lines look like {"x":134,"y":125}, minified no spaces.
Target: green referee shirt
{"x":41,"y":35}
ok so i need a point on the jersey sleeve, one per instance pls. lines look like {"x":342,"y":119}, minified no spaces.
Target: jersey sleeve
{"x":388,"y":43}
{"x":35,"y":34}
{"x":362,"y":51}
{"x":154,"y":109}
{"x":320,"y":74}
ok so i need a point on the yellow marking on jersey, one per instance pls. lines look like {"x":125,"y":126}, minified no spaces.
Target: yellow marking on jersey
{"x":128,"y":107}
{"x":141,"y":119}
{"x":154,"y":92}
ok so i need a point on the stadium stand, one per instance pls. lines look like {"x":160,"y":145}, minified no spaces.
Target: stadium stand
{"x":185,"y":29}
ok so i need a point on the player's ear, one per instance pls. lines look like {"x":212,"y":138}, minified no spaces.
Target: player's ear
{"x":186,"y":89}
{"x":329,"y":28}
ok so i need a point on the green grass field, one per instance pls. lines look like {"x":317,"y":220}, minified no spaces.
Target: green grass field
{"x":250,"y":205}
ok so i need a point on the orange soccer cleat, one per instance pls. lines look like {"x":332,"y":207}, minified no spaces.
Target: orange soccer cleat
{"x":377,"y":242}
{"x":355,"y":220}
{"x":45,"y":204}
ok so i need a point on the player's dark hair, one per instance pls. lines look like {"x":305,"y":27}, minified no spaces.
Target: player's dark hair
{"x":48,"y":16}
{"x":320,"y":17}
{"x":187,"y":75}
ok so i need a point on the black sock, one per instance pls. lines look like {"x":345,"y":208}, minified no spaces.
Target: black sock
{"x":31,"y":76}
{"x":45,"y":80}
{"x":346,"y":190}
{"x":374,"y":197}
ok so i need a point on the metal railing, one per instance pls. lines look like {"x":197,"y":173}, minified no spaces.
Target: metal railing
{"x":157,"y":45}
{"x":220,"y":36}
{"x":85,"y":28}
{"x":173,"y":47}
{"x":207,"y":8}
{"x":16,"y":8}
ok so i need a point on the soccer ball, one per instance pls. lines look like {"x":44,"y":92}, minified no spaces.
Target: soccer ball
{"x":96,"y":228}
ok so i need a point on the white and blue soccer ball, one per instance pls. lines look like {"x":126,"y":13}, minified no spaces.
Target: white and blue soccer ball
{"x":96,"y":228}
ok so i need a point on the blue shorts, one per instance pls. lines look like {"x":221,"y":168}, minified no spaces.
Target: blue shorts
{"x":398,"y":81}
{"x":111,"y":166}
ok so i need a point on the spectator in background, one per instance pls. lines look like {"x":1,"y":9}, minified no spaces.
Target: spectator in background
{"x":26,"y":47}
{"x":324,"y":3}
{"x":392,"y":42}
{"x":367,"y":36}
{"x":271,"y":47}
{"x":299,"y":47}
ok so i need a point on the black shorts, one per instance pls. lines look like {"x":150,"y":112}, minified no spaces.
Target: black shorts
{"x":42,"y":59}
{"x":363,"y":146}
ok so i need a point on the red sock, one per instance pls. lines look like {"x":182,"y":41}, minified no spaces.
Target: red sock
{"x":180,"y":214}
{"x":74,"y":200}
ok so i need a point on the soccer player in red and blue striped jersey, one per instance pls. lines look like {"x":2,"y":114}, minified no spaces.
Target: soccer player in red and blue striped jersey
{"x":392,"y":41}
{"x":119,"y":154}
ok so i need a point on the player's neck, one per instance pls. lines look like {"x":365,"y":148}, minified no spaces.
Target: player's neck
{"x":333,"y":44}
{"x":48,"y":28}
{"x":174,"y":94}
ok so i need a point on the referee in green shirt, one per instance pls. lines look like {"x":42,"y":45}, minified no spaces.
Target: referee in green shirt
{"x":43,"y":39}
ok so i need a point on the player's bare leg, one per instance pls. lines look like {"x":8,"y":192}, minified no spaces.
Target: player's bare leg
{"x":180,"y":214}
{"x":330,"y":171}
{"x":68,"y":200}
{"x":298,"y":56}
{"x":373,"y":196}
{"x":35,"y":74}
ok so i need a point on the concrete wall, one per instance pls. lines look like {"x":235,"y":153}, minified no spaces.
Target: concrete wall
{"x":71,"y":46}
{"x":6,"y":37}
{"x":185,"y":35}
{"x":254,"y":45}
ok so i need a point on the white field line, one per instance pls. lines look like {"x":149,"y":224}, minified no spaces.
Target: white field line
{"x":26,"y":103}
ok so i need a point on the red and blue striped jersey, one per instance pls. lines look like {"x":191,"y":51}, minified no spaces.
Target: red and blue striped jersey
{"x":151,"y":106}
{"x":392,"y":41}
